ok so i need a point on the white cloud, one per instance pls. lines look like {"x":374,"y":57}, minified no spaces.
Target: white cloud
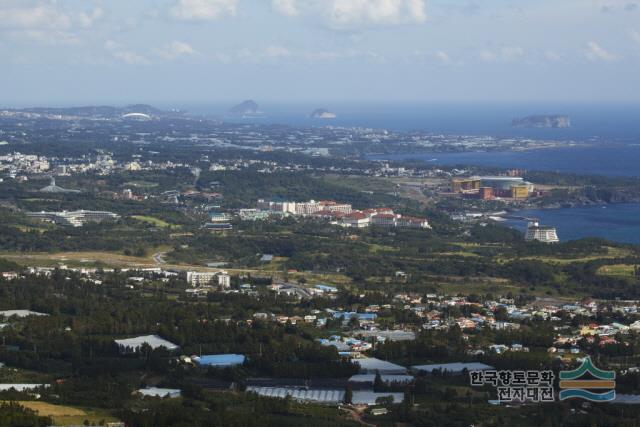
{"x":551,"y":55}
{"x":348,"y":54}
{"x":125,"y":55}
{"x":349,"y":13}
{"x":49,"y":37}
{"x":42,"y":16}
{"x":324,"y":55}
{"x":45,"y":22}
{"x":176,"y":49}
{"x":111,"y":45}
{"x":276,"y":52}
{"x":87,"y":20}
{"x":353,"y":14}
{"x":595,"y":52}
{"x":130,"y":57}
{"x":487,"y":55}
{"x":246,"y":55}
{"x":503,"y":54}
{"x":285,"y":7}
{"x":635,"y":36}
{"x":443,"y":57}
{"x":203,"y":10}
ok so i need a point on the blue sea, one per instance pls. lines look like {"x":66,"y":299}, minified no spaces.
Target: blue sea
{"x":620,"y":222}
{"x":609,"y":135}
{"x":616,"y":222}
{"x":614,"y":121}
{"x":610,"y":159}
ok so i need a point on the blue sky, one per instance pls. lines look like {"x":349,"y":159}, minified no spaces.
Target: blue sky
{"x":397,"y":51}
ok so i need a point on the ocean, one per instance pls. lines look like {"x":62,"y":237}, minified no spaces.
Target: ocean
{"x":610,"y":159}
{"x":610,"y":134}
{"x":614,"y":122}
{"x":619,"y":222}
{"x":616,"y":222}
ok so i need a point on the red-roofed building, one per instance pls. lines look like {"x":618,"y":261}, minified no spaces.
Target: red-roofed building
{"x":329,"y":214}
{"x":356,"y":219}
{"x":384,"y":220}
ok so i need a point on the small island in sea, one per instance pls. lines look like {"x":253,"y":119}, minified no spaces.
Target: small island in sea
{"x":543,"y":121}
{"x":247,"y":108}
{"x":322,"y":113}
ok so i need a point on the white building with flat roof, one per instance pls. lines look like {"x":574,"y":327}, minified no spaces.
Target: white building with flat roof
{"x":541,"y":233}
{"x":73,"y":218}
{"x":208,"y":278}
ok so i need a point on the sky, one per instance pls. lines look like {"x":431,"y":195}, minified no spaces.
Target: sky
{"x":64,"y":52}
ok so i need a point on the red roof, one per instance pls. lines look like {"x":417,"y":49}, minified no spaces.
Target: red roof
{"x":356,"y":215}
{"x":336,"y":214}
{"x":389,"y":216}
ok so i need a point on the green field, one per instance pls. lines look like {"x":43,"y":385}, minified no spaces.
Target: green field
{"x":152,"y":220}
{"x":623,"y":270}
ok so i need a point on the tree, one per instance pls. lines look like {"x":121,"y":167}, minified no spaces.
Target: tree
{"x":378,"y":384}
{"x":348,"y":395}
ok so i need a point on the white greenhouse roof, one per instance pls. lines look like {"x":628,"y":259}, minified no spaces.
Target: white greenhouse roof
{"x":160,"y":392}
{"x":21,"y":313}
{"x":154,"y":341}
{"x":370,"y":378}
{"x":372,"y":365}
{"x":308,"y":395}
{"x":453,"y":367}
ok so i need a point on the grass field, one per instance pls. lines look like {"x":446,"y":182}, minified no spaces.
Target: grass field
{"x":118,"y":260}
{"x":623,"y":270}
{"x":152,"y":220}
{"x":67,"y":415}
{"x":611,"y":254}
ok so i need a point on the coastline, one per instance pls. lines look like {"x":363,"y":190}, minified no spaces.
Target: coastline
{"x":614,"y":222}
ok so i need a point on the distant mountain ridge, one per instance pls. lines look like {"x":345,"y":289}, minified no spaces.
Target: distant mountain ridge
{"x":105,"y":111}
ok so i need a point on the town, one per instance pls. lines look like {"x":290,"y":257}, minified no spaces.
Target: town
{"x":176,"y":264}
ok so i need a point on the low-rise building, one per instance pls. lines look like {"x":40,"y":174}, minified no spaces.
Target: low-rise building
{"x":73,"y":218}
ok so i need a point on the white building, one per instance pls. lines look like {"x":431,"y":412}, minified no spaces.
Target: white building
{"x":541,"y":233}
{"x":73,"y":218}
{"x":205,"y":278}
{"x":356,"y":220}
{"x":224,"y":280}
{"x":303,"y":208}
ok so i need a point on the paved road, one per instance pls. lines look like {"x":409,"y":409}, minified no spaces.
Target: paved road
{"x":158,"y":258}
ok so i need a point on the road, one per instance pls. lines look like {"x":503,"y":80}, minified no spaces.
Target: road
{"x":158,"y":257}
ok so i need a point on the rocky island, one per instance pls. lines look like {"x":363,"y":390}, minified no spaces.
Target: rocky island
{"x":247,"y":108}
{"x":322,"y":113}
{"x":543,"y":121}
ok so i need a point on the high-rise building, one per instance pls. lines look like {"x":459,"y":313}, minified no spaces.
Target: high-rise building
{"x":540,"y":233}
